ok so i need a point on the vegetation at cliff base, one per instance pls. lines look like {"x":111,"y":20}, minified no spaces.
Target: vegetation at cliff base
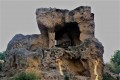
{"x":26,"y":76}
{"x":114,"y":67}
{"x":107,"y":76}
{"x":115,"y":62}
{"x":2,"y":58}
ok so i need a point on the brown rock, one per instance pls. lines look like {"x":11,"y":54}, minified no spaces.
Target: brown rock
{"x":51,"y":20}
{"x":77,"y":55}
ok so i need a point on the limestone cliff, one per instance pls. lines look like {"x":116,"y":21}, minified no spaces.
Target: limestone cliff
{"x":65,"y":49}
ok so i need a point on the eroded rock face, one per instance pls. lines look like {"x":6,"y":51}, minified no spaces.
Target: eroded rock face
{"x":51,"y":20}
{"x":57,"y":63}
{"x":29,"y":42}
{"x":78,"y":55}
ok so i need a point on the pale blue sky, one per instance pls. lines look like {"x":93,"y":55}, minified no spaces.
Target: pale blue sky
{"x":18,"y":16}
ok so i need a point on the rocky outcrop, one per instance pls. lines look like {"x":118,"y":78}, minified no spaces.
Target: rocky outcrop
{"x":77,"y":54}
{"x":54,"y":62}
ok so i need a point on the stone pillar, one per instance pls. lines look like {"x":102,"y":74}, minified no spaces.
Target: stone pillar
{"x":85,"y":20}
{"x":51,"y":36}
{"x":43,"y":38}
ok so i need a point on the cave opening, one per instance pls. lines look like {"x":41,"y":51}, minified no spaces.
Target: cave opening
{"x":67,"y":35}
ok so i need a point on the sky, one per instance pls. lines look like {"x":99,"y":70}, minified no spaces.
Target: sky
{"x":18,"y":17}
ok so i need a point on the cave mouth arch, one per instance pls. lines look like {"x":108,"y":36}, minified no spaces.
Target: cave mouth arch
{"x":67,"y":35}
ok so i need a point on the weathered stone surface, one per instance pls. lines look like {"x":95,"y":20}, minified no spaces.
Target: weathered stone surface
{"x":78,"y":55}
{"x":51,"y":20}
{"x":20,"y":59}
{"x":75,"y":61}
{"x":29,"y":42}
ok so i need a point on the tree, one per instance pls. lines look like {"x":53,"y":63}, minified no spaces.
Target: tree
{"x":115,"y":62}
{"x":116,"y":57}
{"x":107,"y":76}
{"x":114,"y":67}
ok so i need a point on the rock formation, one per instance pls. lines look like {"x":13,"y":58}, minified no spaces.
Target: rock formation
{"x":66,"y":49}
{"x":52,"y":22}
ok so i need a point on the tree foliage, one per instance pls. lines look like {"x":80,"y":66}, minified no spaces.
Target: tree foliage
{"x":116,"y":58}
{"x":2,"y":57}
{"x":107,"y":76}
{"x":115,"y":62}
{"x":113,"y":65}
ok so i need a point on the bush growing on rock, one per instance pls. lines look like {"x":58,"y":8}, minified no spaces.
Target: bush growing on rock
{"x":2,"y":58}
{"x":26,"y":76}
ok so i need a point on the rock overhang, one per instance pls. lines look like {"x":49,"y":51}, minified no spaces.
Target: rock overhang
{"x":50,"y":20}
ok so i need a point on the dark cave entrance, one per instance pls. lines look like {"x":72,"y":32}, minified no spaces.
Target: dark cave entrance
{"x":68,"y":35}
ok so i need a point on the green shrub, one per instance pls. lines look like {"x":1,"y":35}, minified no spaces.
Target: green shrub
{"x":114,"y":64}
{"x":25,"y":76}
{"x":107,"y":76}
{"x":2,"y":57}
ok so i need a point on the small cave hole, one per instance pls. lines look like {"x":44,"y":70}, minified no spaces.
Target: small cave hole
{"x":68,"y":35}
{"x":81,"y":49}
